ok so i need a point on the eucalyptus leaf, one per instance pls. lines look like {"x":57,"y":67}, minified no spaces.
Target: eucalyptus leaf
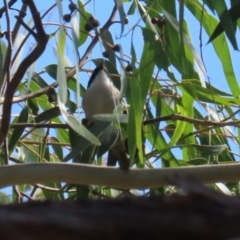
{"x":121,"y":13}
{"x":120,"y":118}
{"x":48,"y":115}
{"x":198,"y":161}
{"x":210,"y":150}
{"x":81,"y":143}
{"x":17,"y":132}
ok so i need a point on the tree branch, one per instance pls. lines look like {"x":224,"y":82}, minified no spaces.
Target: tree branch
{"x":177,"y":117}
{"x":8,"y":62}
{"x":24,"y":65}
{"x":3,"y":9}
{"x":192,"y":216}
{"x":9,"y":39}
{"x":112,"y":176}
{"x":39,"y":125}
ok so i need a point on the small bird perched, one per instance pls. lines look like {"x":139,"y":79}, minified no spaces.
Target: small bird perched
{"x":102,"y":97}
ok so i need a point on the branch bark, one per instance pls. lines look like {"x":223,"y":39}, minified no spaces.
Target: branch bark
{"x":111,"y":176}
{"x":199,"y":214}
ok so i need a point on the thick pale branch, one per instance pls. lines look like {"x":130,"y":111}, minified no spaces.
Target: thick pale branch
{"x":111,"y":176}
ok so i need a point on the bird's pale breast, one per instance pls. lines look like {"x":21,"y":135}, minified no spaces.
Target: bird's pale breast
{"x":98,"y":99}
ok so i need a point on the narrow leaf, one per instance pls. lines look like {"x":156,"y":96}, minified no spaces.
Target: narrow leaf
{"x":17,"y":132}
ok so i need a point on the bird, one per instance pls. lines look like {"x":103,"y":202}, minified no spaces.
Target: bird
{"x":102,"y":97}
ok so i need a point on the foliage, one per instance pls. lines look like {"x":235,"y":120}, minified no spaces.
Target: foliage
{"x":176,"y":116}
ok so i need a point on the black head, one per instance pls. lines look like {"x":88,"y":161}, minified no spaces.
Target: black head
{"x":95,"y":73}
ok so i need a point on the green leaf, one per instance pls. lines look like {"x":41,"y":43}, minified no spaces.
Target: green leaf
{"x":186,"y":58}
{"x":52,"y":70}
{"x":57,"y":149}
{"x":42,"y":100}
{"x":180,"y":125}
{"x":198,"y":161}
{"x":80,"y":143}
{"x":4,"y":198}
{"x":17,"y":132}
{"x":75,"y":32}
{"x":206,"y":94}
{"x":135,"y":118}
{"x":121,"y":13}
{"x":50,"y":195}
{"x":145,"y":73}
{"x":44,"y":152}
{"x":220,"y":45}
{"x":157,"y":139}
{"x":32,"y":104}
{"x":227,"y":20}
{"x":132,"y":8}
{"x":82,"y":192}
{"x":72,"y":85}
{"x":210,"y":150}
{"x":106,"y":40}
{"x":39,"y":80}
{"x":107,"y":139}
{"x":3,"y":51}
{"x":138,"y":88}
{"x":210,"y":4}
{"x":48,"y":115}
{"x":84,"y":16}
{"x":62,"y":95}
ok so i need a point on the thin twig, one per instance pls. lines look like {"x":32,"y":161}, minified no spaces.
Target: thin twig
{"x":30,"y":31}
{"x":6,"y":151}
{"x":18,"y":193}
{"x":27,"y":36}
{"x":173,"y":117}
{"x":66,"y":145}
{"x":12,"y":159}
{"x":33,"y":191}
{"x":39,"y":125}
{"x":176,"y":117}
{"x":26,"y":196}
{"x":9,"y":39}
{"x":43,"y":145}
